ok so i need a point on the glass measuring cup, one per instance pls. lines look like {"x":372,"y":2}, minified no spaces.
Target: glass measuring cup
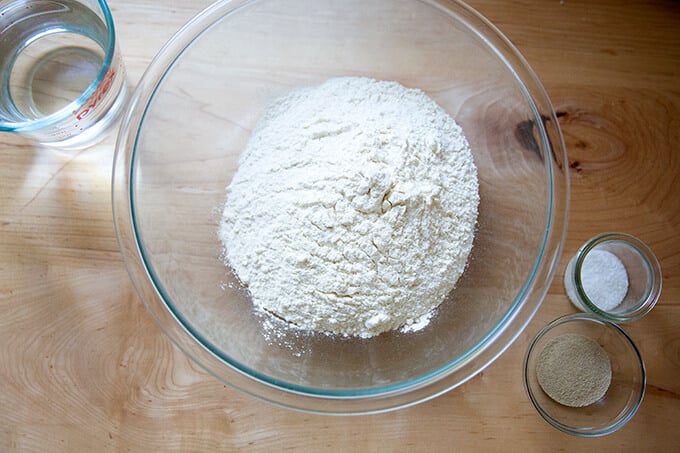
{"x":62,"y":80}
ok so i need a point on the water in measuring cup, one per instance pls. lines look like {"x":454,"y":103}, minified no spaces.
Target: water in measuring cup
{"x":50,"y":53}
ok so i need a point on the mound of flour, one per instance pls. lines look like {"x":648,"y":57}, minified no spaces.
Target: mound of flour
{"x":353,"y":208}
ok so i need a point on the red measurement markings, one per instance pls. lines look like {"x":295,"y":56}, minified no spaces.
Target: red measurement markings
{"x":97,"y":96}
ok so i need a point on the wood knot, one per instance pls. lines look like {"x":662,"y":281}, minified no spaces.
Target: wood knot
{"x":575,"y":165}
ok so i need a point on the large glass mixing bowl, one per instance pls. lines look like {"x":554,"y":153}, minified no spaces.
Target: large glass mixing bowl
{"x":191,"y":116}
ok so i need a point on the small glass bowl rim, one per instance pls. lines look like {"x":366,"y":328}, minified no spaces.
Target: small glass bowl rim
{"x":578,"y":318}
{"x":643,"y":306}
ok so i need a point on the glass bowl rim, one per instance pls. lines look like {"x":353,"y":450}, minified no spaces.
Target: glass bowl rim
{"x":396,"y":395}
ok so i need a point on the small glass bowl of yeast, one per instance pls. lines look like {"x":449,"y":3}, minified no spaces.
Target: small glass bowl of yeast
{"x":584,"y":375}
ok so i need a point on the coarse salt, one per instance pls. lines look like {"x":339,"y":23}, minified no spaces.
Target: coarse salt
{"x":604,"y":279}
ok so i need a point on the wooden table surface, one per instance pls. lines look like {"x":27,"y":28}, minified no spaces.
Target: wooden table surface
{"x":84,"y":368}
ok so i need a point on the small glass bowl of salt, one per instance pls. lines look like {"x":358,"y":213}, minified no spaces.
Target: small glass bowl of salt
{"x":615,"y":276}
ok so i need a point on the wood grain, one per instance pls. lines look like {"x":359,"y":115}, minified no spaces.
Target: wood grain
{"x":85,"y":369}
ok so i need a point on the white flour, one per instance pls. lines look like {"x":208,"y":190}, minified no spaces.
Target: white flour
{"x":353,"y":208}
